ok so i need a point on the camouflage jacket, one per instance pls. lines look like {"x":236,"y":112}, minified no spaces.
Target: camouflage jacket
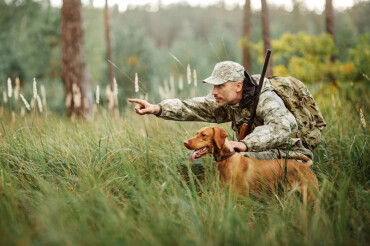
{"x":273,"y":128}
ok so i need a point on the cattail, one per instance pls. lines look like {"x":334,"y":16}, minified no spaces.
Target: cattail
{"x":13,"y":116}
{"x":181,"y":83}
{"x":25,"y":102}
{"x":136,"y":83}
{"x":115,"y":91}
{"x":43,"y":95}
{"x":363,"y":121}
{"x":109,"y":94}
{"x":115,"y":98}
{"x":16,"y":90}
{"x":333,"y":100}
{"x":10,"y":88}
{"x":76,"y":96}
{"x":5,"y":97}
{"x":97,"y":94}
{"x":195,"y":77}
{"x":115,"y":87}
{"x":23,"y":111}
{"x":39,"y":103}
{"x":32,"y":103}
{"x":189,"y":74}
{"x":34,"y":88}
{"x":68,"y":100}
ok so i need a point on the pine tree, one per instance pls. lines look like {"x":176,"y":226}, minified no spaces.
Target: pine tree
{"x":247,"y":36}
{"x":329,"y":22}
{"x":109,"y":46}
{"x":266,"y":33}
{"x":74,"y":72}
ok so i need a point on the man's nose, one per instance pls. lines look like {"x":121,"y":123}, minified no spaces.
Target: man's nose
{"x":214,"y":91}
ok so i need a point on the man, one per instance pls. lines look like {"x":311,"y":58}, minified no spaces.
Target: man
{"x":231,"y":100}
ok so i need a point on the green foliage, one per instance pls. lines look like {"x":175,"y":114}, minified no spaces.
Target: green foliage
{"x":29,"y":37}
{"x":360,"y":55}
{"x":95,"y":45}
{"x":309,"y":58}
{"x":145,"y":40}
{"x":346,"y":35}
{"x":134,"y":53}
{"x":201,"y":53}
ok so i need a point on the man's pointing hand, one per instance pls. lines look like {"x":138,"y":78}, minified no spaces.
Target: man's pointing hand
{"x":143,"y":107}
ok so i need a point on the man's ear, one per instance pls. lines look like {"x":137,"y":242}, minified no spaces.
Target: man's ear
{"x":239,"y":86}
{"x":219,"y":136}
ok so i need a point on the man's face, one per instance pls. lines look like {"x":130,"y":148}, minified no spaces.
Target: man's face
{"x":227,"y":93}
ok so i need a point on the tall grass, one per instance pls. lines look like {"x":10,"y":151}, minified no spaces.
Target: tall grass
{"x":129,"y":181}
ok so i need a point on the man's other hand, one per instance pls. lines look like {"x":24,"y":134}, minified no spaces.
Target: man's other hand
{"x":143,"y":107}
{"x":238,"y":146}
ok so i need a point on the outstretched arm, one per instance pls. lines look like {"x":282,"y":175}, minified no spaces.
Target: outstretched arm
{"x":195,"y":109}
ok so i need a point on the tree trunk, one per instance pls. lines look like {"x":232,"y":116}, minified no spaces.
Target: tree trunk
{"x":266,"y":34}
{"x":247,"y":36}
{"x":355,"y":14}
{"x":329,"y":21}
{"x":74,"y":72}
{"x":109,"y":46}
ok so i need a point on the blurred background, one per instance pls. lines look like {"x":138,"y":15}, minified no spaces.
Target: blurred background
{"x":173,"y":45}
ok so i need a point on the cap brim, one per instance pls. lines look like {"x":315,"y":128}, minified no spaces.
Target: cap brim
{"x":214,"y":81}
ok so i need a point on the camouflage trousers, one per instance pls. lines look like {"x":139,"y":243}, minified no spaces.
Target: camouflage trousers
{"x":278,"y":154}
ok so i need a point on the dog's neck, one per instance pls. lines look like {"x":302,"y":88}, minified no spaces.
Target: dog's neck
{"x":224,"y":153}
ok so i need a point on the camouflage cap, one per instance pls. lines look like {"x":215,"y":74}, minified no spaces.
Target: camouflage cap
{"x":226,"y":71}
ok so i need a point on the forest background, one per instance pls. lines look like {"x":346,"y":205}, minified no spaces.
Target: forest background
{"x":158,"y":45}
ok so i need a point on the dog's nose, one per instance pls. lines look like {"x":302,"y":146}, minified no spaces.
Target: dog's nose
{"x":186,"y":143}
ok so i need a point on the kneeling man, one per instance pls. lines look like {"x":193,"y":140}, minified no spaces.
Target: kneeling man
{"x":231,"y":100}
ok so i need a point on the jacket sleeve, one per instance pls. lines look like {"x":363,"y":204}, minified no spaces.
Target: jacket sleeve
{"x":196,"y":109}
{"x":278,"y":124}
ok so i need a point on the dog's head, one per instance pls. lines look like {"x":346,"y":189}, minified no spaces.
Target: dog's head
{"x":208,"y":140}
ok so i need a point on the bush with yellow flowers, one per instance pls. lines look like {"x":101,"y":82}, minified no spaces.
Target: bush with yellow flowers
{"x":310,"y":58}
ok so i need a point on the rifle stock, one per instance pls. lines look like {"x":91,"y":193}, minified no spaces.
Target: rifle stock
{"x":246,"y":129}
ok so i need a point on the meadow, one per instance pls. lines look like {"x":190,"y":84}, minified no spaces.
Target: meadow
{"x":129,"y":181}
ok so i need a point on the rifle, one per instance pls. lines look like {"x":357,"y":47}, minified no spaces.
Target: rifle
{"x":247,"y":127}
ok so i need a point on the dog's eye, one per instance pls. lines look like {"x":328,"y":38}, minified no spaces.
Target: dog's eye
{"x":203,"y":135}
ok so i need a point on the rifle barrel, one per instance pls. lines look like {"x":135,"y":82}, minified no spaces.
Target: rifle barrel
{"x":247,"y":127}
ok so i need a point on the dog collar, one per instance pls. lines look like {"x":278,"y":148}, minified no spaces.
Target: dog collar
{"x":222,"y":158}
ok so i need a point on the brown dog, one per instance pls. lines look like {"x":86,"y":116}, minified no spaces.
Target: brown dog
{"x":246,"y":175}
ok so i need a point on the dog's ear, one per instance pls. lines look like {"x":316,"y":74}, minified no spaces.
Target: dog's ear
{"x":219,"y":136}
